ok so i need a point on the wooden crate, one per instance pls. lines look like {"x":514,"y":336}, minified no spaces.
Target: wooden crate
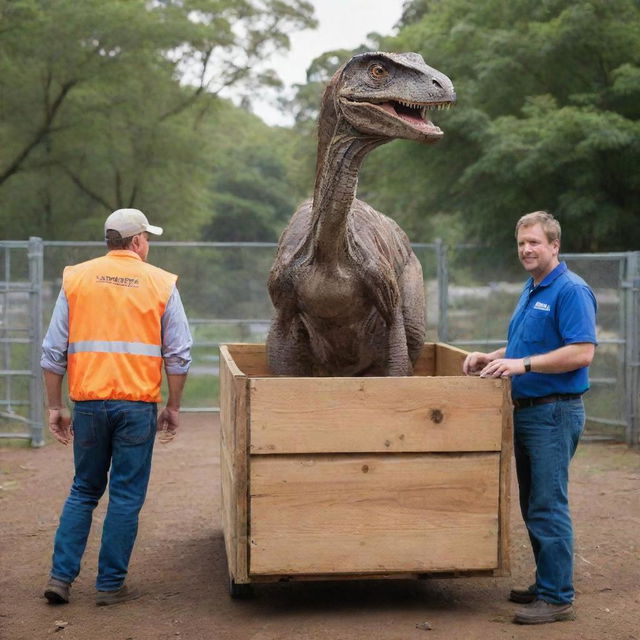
{"x":363,"y":477}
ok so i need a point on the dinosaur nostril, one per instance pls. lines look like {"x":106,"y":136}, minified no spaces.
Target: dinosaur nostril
{"x":436,"y":83}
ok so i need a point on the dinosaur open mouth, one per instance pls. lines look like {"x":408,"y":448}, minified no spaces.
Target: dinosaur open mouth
{"x":414,"y":113}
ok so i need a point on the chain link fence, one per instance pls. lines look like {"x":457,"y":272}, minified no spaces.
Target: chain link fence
{"x":470,"y":297}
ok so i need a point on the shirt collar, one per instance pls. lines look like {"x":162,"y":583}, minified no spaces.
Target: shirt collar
{"x":558,"y":271}
{"x":124,"y":253}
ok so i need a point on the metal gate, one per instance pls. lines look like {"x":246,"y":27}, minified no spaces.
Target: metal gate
{"x":21,"y":392}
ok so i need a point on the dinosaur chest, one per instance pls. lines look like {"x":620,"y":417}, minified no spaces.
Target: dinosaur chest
{"x":332,"y":295}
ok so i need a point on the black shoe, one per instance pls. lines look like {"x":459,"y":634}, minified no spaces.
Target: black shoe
{"x":124,"y":594}
{"x":523,"y":596}
{"x":57,"y":591}
{"x":541,"y":611}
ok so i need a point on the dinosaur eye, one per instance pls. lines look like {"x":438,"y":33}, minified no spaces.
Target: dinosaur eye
{"x":378,"y":72}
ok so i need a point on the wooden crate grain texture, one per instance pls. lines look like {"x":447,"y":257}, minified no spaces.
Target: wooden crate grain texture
{"x":234,"y":419}
{"x":367,"y":514}
{"x":374,"y":415}
{"x":360,"y":486}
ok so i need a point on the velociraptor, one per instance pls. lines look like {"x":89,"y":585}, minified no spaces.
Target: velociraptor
{"x":346,"y":286}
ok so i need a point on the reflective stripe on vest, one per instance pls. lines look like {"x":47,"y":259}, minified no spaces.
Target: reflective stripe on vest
{"x":105,"y":346}
{"x":116,"y":304}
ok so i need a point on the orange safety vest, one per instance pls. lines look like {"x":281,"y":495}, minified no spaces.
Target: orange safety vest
{"x":116,"y":304}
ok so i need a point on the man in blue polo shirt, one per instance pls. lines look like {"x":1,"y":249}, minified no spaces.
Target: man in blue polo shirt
{"x":550,"y":345}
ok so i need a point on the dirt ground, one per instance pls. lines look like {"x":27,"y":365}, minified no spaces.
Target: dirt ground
{"x":179,"y":563}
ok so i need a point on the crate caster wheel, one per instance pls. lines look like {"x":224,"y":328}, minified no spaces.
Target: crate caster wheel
{"x":239,"y":591}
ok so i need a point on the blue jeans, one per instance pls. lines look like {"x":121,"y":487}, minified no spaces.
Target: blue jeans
{"x":546,"y":437}
{"x":116,"y":434}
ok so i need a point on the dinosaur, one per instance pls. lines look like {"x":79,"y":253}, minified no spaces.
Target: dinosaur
{"x":346,"y":286}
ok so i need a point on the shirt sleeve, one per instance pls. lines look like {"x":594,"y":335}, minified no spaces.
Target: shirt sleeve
{"x":56,"y":341}
{"x":176,"y":336}
{"x":577,"y":320}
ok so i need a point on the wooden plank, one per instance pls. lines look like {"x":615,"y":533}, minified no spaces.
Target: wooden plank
{"x":426,"y":363}
{"x":377,"y":513}
{"x":330,"y":415}
{"x":227,"y":498}
{"x":234,"y":464}
{"x":504,"y":563}
{"x":449,"y":360}
{"x":250,"y":359}
{"x":396,"y":575}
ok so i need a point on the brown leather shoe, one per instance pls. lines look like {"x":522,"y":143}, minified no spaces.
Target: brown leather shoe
{"x":57,"y":591}
{"x":523,"y":595}
{"x":124,"y":594}
{"x":541,"y":611}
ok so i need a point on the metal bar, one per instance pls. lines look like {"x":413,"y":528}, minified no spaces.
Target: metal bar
{"x":195,"y":244}
{"x":14,"y":416}
{"x":21,"y":436}
{"x":36,"y":259}
{"x":616,"y":423}
{"x":15,"y":372}
{"x":6,"y":349}
{"x":632,"y":381}
{"x":443,"y":291}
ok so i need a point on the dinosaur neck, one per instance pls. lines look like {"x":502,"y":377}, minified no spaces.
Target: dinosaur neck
{"x":339,"y":161}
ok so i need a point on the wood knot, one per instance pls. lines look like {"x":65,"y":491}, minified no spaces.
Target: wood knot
{"x":365,"y":468}
{"x":436,"y":416}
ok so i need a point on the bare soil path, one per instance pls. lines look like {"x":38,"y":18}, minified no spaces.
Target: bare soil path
{"x":179,"y":563}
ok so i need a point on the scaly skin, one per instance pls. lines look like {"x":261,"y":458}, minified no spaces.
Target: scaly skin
{"x":346,"y":286}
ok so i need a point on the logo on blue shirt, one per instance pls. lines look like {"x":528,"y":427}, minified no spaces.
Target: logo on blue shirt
{"x":542,"y":305}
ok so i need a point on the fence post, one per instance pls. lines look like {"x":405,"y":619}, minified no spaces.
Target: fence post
{"x":36,"y":414}
{"x":443,"y":291}
{"x":632,"y":330}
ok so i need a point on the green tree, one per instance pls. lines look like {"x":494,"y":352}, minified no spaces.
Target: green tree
{"x":253,"y":194}
{"x":547,"y":118}
{"x":103,"y":104}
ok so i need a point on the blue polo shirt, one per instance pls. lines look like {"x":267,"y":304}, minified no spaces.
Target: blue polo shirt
{"x":561,"y":310}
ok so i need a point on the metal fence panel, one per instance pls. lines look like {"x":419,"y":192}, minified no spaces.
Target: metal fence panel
{"x":20,"y":337}
{"x":470,"y":296}
{"x":482,"y":290}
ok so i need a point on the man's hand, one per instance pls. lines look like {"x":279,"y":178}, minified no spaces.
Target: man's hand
{"x":503,"y":368}
{"x":475,"y":362}
{"x":60,"y":424}
{"x":168,"y":423}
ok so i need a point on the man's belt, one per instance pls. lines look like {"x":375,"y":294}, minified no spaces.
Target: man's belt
{"x":523,"y":403}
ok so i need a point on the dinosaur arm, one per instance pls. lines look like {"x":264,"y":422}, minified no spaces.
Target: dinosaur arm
{"x":413,"y":307}
{"x":398,"y":363}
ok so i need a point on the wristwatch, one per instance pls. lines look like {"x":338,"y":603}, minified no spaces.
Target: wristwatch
{"x":527,"y":364}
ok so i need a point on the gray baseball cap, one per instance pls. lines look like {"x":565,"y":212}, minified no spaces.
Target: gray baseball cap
{"x":130,"y":222}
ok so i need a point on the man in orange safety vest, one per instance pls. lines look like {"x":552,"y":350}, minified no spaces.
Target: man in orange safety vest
{"x":117,"y":319}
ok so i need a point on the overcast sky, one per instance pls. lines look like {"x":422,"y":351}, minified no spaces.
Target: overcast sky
{"x":343,"y":24}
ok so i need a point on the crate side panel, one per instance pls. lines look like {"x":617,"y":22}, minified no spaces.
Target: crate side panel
{"x":344,"y":415}
{"x":376,"y":513}
{"x":449,"y":360}
{"x":234,"y":465}
{"x":251,"y":359}
{"x":426,"y":363}
{"x":504,"y":561}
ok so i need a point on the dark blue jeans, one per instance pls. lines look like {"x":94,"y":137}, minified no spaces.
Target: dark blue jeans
{"x":112,"y":434}
{"x":546,"y":437}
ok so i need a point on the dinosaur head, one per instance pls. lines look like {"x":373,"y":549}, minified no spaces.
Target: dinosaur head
{"x":390,"y":95}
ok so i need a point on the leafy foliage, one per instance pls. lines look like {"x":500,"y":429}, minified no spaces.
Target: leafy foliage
{"x":547,"y":118}
{"x":94,"y":115}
